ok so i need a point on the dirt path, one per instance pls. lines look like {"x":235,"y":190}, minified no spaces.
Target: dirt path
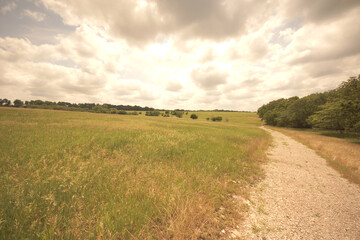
{"x":301,"y":198}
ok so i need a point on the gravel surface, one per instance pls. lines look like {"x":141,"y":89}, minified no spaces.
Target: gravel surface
{"x":301,"y":198}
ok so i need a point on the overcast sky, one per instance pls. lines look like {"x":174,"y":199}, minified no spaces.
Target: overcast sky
{"x":192,"y":54}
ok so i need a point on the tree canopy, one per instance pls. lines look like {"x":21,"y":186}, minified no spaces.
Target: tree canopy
{"x":338,"y":109}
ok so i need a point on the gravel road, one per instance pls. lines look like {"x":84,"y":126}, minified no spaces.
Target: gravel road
{"x":301,"y":198}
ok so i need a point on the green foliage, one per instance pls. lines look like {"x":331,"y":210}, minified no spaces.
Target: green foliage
{"x":194,"y":116}
{"x":338,"y":109}
{"x":113,"y":111}
{"x":18,"y":103}
{"x":216,"y":119}
{"x":5,"y":102}
{"x":123,"y":112}
{"x":179,"y":114}
{"x":100,"y":109}
{"x":152,"y":113}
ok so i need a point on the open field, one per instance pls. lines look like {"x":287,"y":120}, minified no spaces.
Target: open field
{"x":72,"y":175}
{"x":342,"y":152}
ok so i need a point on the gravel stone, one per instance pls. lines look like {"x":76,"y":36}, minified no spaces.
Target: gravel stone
{"x":301,"y":197}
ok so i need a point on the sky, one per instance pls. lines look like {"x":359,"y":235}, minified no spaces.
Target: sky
{"x":168,"y":54}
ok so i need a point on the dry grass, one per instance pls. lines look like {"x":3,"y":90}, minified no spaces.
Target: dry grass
{"x":341,"y":154}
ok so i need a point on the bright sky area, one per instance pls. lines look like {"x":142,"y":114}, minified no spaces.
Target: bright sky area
{"x":190,"y":54}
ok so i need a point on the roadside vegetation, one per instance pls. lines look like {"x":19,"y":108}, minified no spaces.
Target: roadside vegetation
{"x":338,"y":109}
{"x":341,"y":153}
{"x":74,"y":175}
{"x":328,"y":122}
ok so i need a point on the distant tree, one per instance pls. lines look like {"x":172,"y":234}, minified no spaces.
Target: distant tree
{"x":179,"y":114}
{"x":194,"y":116}
{"x":113,"y":111}
{"x":99,"y":109}
{"x":18,"y":103}
{"x":5,"y":102}
{"x":122,"y":112}
{"x":216,"y":119}
{"x":152,"y":113}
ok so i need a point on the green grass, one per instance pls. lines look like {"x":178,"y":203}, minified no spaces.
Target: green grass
{"x":72,"y":175}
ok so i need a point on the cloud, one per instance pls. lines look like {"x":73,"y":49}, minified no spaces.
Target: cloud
{"x":328,"y":41}
{"x":8,"y":8}
{"x":208,"y":78}
{"x":37,"y":16}
{"x":144,"y":20}
{"x":320,"y":10}
{"x":178,"y":54}
{"x":174,"y":86}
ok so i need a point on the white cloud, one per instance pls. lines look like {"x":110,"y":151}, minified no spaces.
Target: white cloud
{"x":185,"y":54}
{"x":37,"y":16}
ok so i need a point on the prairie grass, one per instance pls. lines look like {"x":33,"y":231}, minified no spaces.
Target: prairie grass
{"x":341,"y":151}
{"x":72,"y":175}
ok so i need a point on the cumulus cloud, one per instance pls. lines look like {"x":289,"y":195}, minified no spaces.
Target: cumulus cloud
{"x":144,"y":20}
{"x":197,"y":54}
{"x":208,"y":78}
{"x":320,"y":10}
{"x":174,"y":86}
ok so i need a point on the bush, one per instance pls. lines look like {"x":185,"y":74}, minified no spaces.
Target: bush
{"x":122,"y":112}
{"x":113,"y":110}
{"x":179,"y":114}
{"x":208,"y":118}
{"x":194,"y":116}
{"x":152,"y":113}
{"x":216,"y":119}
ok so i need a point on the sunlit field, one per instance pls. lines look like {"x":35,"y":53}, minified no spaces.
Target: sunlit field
{"x":72,"y":175}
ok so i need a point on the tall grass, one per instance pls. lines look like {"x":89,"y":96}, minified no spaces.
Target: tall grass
{"x":70,"y":175}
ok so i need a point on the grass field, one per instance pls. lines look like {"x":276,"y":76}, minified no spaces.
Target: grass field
{"x":342,"y":151}
{"x":71,"y":175}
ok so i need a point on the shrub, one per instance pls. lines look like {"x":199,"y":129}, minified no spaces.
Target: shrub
{"x":152,"y":113}
{"x":113,"y":110}
{"x":194,"y":116}
{"x":122,"y":112}
{"x":216,"y":119}
{"x":179,"y":114}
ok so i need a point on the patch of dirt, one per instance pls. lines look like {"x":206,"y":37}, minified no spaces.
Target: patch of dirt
{"x":301,"y":198}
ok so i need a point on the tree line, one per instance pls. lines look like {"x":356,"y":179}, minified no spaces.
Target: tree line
{"x":81,"y":107}
{"x":337,"y":109}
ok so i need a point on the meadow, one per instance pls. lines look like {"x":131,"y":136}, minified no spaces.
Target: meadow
{"x":74,"y":175}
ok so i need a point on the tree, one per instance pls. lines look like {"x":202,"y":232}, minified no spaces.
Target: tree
{"x":152,"y":113}
{"x":113,"y":110}
{"x":331,"y":116}
{"x":216,"y":119}
{"x":18,"y":103}
{"x":194,"y":116}
{"x":5,"y":102}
